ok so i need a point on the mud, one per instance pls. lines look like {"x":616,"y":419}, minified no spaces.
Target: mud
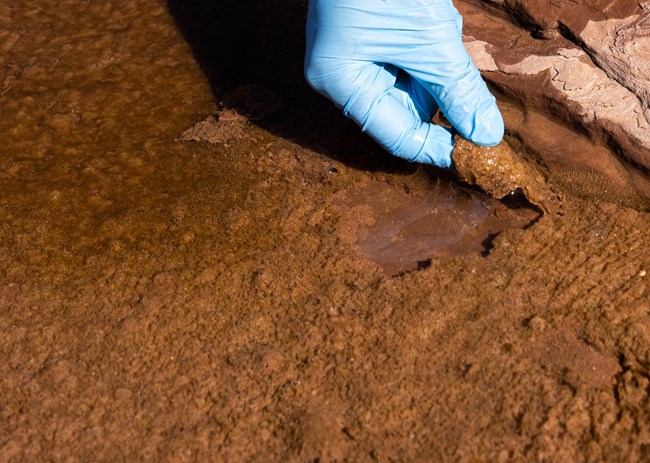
{"x":167,"y":300}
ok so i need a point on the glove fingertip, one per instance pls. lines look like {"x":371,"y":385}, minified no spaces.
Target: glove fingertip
{"x":490,"y":129}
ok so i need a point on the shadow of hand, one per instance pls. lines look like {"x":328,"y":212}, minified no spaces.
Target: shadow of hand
{"x":240,"y":43}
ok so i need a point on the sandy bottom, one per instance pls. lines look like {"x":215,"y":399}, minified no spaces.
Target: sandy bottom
{"x":168,"y":299}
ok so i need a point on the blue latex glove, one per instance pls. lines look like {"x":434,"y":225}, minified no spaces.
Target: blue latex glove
{"x":390,"y":64}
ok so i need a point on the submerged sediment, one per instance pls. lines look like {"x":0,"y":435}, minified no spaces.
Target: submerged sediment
{"x":236,"y":293}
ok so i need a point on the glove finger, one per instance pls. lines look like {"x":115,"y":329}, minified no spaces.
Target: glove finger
{"x":442,"y":65}
{"x":367,"y":94}
{"x":414,"y":96}
{"x":469,"y":106}
{"x":401,"y":131}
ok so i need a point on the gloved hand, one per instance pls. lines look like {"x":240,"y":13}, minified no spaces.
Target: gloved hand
{"x":390,"y":64}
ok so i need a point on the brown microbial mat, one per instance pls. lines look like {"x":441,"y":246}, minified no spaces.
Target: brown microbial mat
{"x":499,"y":171}
{"x":401,"y":230}
{"x":197,"y":266}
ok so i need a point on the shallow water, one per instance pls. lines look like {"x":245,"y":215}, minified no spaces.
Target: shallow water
{"x":178,"y":300}
{"x":573,"y":162}
{"x":402,"y":230}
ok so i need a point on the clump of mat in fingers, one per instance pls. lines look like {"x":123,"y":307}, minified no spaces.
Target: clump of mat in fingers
{"x":499,"y":171}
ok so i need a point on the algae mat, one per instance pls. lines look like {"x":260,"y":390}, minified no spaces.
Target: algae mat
{"x":167,"y":300}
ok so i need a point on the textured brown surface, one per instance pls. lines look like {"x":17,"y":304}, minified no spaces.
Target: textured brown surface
{"x":182,"y":301}
{"x":499,"y":171}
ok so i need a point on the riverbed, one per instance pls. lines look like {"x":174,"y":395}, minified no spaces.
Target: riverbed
{"x":167,"y":296}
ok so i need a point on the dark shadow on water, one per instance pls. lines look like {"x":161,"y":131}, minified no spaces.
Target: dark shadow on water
{"x":261,"y":42}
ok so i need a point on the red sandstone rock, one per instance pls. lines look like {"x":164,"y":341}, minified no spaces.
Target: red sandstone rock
{"x":584,"y":63}
{"x":607,"y":96}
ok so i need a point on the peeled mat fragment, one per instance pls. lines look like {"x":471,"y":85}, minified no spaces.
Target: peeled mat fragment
{"x":499,"y":171}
